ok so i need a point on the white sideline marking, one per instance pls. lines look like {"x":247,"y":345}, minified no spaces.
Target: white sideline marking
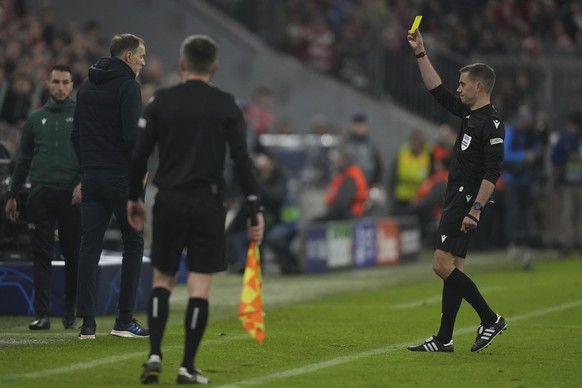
{"x":103,"y":361}
{"x":386,"y":349}
{"x":438,"y":298}
{"x":282,"y":374}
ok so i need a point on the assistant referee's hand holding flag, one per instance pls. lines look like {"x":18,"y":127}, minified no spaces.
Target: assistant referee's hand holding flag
{"x":251,"y":312}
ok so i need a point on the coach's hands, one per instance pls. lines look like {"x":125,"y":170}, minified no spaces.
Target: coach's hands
{"x":136,"y":214}
{"x":11,"y":209}
{"x":77,"y":195}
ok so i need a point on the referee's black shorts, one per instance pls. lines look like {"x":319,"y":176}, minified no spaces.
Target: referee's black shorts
{"x":458,"y":202}
{"x":194,"y":220}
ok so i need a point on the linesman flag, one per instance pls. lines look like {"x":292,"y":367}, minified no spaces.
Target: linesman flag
{"x":250,"y":310}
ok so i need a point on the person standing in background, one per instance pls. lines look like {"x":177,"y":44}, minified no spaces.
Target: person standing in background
{"x":48,"y":159}
{"x":362,"y":151}
{"x":104,"y":134}
{"x":523,"y":152}
{"x":411,"y":167}
{"x":567,"y":168}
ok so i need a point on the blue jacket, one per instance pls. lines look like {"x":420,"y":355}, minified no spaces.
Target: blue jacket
{"x":518,"y":143}
{"x":108,"y":108}
{"x":567,"y":158}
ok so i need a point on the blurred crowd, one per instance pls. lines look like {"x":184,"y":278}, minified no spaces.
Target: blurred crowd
{"x":335,"y":35}
{"x":30,"y":43}
{"x":363,"y":42}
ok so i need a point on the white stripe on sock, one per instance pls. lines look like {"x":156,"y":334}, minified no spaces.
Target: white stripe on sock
{"x":194,"y":318}
{"x":155,"y":307}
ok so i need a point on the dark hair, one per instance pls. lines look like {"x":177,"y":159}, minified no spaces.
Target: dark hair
{"x":483,"y":73}
{"x":63,"y":68}
{"x":124,"y":42}
{"x":199,"y":53}
{"x":359,"y":117}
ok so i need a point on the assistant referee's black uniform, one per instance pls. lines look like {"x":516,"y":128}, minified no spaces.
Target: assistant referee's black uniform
{"x":191,"y":123}
{"x":477,"y":155}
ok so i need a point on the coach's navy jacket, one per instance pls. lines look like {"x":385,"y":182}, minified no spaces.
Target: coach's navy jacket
{"x":107,"y":111}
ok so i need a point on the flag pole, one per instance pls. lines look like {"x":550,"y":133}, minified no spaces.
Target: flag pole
{"x":251,"y":310}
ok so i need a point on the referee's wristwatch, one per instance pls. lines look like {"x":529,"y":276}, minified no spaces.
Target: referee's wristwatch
{"x":477,"y":206}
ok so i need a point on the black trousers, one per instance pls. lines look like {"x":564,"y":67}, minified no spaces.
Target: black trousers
{"x":105,"y":194}
{"x":47,"y":210}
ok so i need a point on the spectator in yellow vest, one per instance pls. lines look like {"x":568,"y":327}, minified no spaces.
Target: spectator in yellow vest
{"x":412,"y":166}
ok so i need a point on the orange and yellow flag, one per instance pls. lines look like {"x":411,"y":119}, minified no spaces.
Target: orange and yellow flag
{"x":250,"y":310}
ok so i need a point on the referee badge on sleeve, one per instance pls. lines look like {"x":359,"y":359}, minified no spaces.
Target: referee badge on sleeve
{"x":466,"y":141}
{"x":142,"y":122}
{"x":496,"y":140}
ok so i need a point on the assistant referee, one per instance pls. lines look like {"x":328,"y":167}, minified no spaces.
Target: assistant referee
{"x":192,"y":123}
{"x":475,"y":167}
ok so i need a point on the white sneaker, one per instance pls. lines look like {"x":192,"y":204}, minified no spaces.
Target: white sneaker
{"x":186,"y":378}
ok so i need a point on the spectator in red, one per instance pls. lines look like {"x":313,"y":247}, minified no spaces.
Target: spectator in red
{"x":319,"y":44}
{"x":258,"y":112}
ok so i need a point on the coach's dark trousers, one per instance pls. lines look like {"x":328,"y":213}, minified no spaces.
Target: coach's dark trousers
{"x":46,"y":209}
{"x":104,"y":194}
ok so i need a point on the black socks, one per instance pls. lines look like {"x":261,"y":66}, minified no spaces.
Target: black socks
{"x":465,"y":287}
{"x":450,"y":307}
{"x":195,"y":324}
{"x":158,"y":311}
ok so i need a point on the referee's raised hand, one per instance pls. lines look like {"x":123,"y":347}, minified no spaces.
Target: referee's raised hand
{"x":415,"y":41}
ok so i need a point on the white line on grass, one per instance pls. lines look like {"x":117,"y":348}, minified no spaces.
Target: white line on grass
{"x":282,"y":374}
{"x":104,"y":361}
{"x":386,"y":349}
{"x":438,"y":298}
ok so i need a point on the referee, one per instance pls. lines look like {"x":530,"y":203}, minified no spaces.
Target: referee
{"x":475,"y":166}
{"x":191,"y":123}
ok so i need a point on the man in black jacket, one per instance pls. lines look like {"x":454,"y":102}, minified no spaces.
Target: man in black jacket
{"x":104,"y":133}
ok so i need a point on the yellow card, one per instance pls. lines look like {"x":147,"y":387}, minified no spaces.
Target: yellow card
{"x":415,"y":24}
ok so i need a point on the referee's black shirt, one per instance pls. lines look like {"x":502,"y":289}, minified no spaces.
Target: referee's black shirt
{"x":478,"y":151}
{"x":191,"y":123}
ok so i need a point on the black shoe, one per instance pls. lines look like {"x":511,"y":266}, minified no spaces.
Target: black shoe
{"x":69,"y":321}
{"x":87,"y":332}
{"x":486,"y":334}
{"x":151,"y":370}
{"x":132,"y":329}
{"x":433,"y":345}
{"x":195,"y":378}
{"x":40,"y":324}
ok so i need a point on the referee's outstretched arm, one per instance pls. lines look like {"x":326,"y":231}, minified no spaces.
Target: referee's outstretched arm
{"x":429,"y":75}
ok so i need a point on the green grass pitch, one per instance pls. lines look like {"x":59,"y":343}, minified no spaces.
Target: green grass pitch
{"x":342,"y":329}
